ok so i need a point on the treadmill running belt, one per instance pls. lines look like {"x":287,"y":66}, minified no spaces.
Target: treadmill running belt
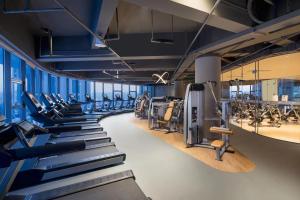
{"x":76,"y":157}
{"x":121,"y":190}
{"x":118,"y":186}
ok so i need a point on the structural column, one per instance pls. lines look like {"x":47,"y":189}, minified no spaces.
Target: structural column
{"x":208,"y":68}
{"x":180,"y":87}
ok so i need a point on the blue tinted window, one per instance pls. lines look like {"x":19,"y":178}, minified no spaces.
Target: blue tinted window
{"x":63,"y":87}
{"x":16,"y":88}
{"x":45,"y":82}
{"x":132,"y":90}
{"x":38,"y":81}
{"x":81,"y":90}
{"x":125,"y":91}
{"x":15,"y":63}
{"x":108,"y":90}
{"x":1,"y":83}
{"x":54,"y":84}
{"x":117,"y":90}
{"x":139,"y":90}
{"x":29,"y":86}
{"x":99,"y":91}
{"x":74,"y":88}
{"x":70,"y":82}
{"x":29,"y":79}
{"x":150,"y":91}
{"x":90,"y":89}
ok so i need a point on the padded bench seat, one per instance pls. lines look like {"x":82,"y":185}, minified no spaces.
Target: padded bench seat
{"x":221,"y":145}
{"x":217,"y":143}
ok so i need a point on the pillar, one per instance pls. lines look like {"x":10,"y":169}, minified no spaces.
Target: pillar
{"x":180,"y":87}
{"x":208,"y":68}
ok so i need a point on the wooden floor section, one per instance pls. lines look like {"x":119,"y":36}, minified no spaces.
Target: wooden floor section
{"x":232,"y":162}
{"x":286,"y":132}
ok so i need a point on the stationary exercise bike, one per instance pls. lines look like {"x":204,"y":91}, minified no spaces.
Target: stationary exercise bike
{"x":292,"y":113}
{"x":266,"y":112}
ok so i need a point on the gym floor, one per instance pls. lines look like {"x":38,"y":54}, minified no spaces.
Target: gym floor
{"x":164,"y":172}
{"x":287,"y":131}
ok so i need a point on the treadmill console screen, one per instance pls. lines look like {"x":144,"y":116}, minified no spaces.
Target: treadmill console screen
{"x":34,"y":100}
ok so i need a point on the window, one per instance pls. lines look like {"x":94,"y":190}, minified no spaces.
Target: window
{"x":139,"y":90}
{"x":63,"y":87}
{"x":16,"y":88}
{"x":53,"y":84}
{"x":91,"y":89}
{"x":45,"y":83}
{"x":145,"y":88}
{"x":99,"y":91}
{"x":132,"y":90}
{"x":29,"y":86}
{"x":125,"y":91}
{"x":29,"y":79}
{"x":70,"y":82}
{"x":74,"y":88}
{"x":1,"y":84}
{"x":117,"y":89}
{"x":38,"y":82}
{"x":81,"y":90}
{"x":99,"y":94}
{"x":148,"y":89}
{"x":108,"y":90}
{"x":244,"y":89}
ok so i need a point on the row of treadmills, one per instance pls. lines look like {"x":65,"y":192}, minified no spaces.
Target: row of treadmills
{"x":71,"y":163}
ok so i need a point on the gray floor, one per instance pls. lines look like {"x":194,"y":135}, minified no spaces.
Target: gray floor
{"x":164,"y":172}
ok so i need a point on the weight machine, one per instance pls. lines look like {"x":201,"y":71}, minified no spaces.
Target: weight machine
{"x":202,"y":124}
{"x":165,"y":113}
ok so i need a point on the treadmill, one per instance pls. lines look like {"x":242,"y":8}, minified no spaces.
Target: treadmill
{"x":55,"y":138}
{"x":52,"y":118}
{"x":76,"y":107}
{"x":64,"y":112}
{"x":54,"y":161}
{"x":98,"y":185}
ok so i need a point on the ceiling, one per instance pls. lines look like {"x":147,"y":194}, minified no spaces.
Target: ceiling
{"x":125,"y":27}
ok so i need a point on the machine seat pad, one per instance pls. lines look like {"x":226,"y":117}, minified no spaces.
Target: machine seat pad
{"x":217,"y":144}
{"x":169,"y":111}
{"x":220,"y":130}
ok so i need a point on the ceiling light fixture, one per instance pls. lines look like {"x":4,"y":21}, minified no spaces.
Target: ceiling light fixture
{"x":161,"y":78}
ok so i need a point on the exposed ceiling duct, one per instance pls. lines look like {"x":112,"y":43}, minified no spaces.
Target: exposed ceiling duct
{"x":255,"y":8}
{"x":109,"y":37}
{"x":162,"y":40}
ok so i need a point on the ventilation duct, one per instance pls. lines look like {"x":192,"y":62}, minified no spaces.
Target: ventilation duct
{"x":160,"y":39}
{"x":261,"y":11}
